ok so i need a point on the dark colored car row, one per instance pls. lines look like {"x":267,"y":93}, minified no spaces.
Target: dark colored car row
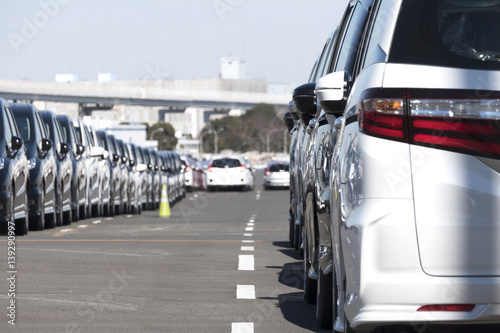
{"x":54,"y":171}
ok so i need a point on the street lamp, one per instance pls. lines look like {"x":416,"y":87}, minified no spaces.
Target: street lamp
{"x":161,"y":129}
{"x":216,"y":139}
{"x":269,"y":138}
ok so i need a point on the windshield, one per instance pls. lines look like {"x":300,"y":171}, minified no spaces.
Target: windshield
{"x":226,"y":162}
{"x":25,"y":127}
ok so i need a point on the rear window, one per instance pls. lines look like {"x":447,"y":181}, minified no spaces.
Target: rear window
{"x":278,"y":168}
{"x":226,"y":162}
{"x":449,"y":33}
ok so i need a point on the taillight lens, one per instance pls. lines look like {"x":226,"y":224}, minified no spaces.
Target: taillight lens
{"x":188,"y":168}
{"x":209,"y":168}
{"x":424,"y":117}
{"x":268,"y":173}
{"x":447,"y":307}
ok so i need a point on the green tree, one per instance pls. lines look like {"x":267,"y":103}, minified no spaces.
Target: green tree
{"x":164,"y":133}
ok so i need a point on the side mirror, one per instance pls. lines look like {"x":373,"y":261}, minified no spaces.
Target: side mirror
{"x":287,"y":118}
{"x":131,"y":163}
{"x":116,"y":158}
{"x":304,"y":98}
{"x":163,"y":168}
{"x":47,"y":145}
{"x":17,"y":143}
{"x":156,"y":168}
{"x":331,"y":90}
{"x":65,"y":149}
{"x":338,"y":123}
{"x":150,"y":166}
{"x":80,"y":149}
{"x":124,"y":160}
{"x":96,"y":151}
{"x":311,"y":125}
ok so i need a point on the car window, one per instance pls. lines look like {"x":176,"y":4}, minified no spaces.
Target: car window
{"x":226,"y":162}
{"x":351,"y":31}
{"x":25,"y":126}
{"x":448,"y":33}
{"x":8,"y":127}
{"x":279,"y":168}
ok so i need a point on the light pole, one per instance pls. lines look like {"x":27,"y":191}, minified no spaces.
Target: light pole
{"x":201,"y":140}
{"x":216,"y":139}
{"x":161,"y":129}
{"x":269,"y":138}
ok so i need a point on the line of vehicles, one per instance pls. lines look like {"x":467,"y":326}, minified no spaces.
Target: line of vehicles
{"x":55,"y":170}
{"x":395,"y":172}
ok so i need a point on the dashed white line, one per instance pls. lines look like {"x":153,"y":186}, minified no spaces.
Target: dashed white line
{"x":109,"y":218}
{"x":250,"y":224}
{"x":247,"y":248}
{"x":242,"y":328}
{"x":246,"y":262}
{"x":96,"y":222}
{"x":65,"y":230}
{"x":248,"y":235}
{"x":248,"y":241}
{"x":129,"y":216}
{"x":83,"y":226}
{"x":249,"y":229}
{"x":245,"y":291}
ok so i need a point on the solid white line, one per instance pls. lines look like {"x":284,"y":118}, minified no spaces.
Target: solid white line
{"x":248,"y":235}
{"x":246,"y":262}
{"x":245,"y":291}
{"x":83,"y":226}
{"x":242,"y":328}
{"x":248,"y":241}
{"x":249,"y":229}
{"x":247,"y":248}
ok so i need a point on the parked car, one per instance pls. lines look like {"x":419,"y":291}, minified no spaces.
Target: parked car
{"x":277,"y":174}
{"x":143,"y":174}
{"x":414,"y":183}
{"x":127,"y":196}
{"x":117,"y":191}
{"x":93,"y":155}
{"x":103,"y":207}
{"x":41,"y":164}
{"x":138,"y":179}
{"x":64,"y":175}
{"x":14,"y":174}
{"x":79,"y":178}
{"x":228,"y":171}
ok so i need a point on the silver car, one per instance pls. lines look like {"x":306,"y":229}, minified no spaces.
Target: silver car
{"x":277,"y":174}
{"x":416,"y":186}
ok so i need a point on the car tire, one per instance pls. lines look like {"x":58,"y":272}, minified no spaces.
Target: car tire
{"x":76,"y":211}
{"x":38,"y":222}
{"x":310,"y":285}
{"x":326,"y":299}
{"x":22,"y":225}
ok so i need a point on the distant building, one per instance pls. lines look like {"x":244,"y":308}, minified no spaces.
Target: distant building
{"x":106,"y":77}
{"x":232,"y":68}
{"x":66,"y":78}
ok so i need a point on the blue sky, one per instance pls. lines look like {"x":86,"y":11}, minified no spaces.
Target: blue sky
{"x":148,"y":39}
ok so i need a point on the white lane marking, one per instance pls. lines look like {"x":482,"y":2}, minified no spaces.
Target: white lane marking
{"x":248,"y":235}
{"x":83,"y":226}
{"x":249,"y":229}
{"x":252,"y":220}
{"x":65,"y":230}
{"x":246,"y":262}
{"x":250,"y":224}
{"x":248,"y":241}
{"x":109,"y":218}
{"x":129,"y":216}
{"x":245,"y":291}
{"x":247,"y":248}
{"x":96,"y":222}
{"x":242,"y":328}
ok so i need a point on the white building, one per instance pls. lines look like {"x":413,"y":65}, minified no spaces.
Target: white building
{"x":232,"y":68}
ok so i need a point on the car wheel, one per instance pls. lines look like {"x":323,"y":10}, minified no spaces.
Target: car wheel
{"x":39,"y":221}
{"x":76,"y":211}
{"x":326,"y":299}
{"x":22,"y":225}
{"x":310,"y":285}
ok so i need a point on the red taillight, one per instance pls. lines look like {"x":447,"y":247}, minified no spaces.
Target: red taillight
{"x":268,"y":173}
{"x":209,"y":168}
{"x":188,"y":168}
{"x":466,"y":125}
{"x":243,"y":168}
{"x":447,"y":307}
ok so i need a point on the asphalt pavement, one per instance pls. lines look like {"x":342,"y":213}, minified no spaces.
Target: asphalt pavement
{"x":220,"y":263}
